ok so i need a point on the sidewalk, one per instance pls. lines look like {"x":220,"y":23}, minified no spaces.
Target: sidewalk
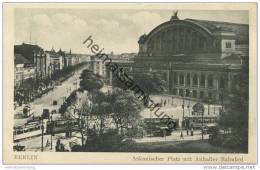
{"x":175,"y":136}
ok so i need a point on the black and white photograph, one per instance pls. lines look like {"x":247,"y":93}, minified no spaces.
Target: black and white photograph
{"x":131,"y":80}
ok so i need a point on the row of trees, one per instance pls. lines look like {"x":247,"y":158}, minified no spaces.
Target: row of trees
{"x":113,"y":112}
{"x":65,"y":73}
{"x":150,"y":82}
{"x":33,"y":88}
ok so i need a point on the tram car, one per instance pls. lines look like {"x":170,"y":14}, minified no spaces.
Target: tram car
{"x":29,"y":130}
{"x":61,"y":126}
{"x":196,"y":122}
{"x":159,"y":126}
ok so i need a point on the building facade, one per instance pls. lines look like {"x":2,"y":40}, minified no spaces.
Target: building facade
{"x":71,"y":59}
{"x":23,"y":70}
{"x":41,"y":62}
{"x":199,"y":58}
{"x":55,"y":60}
{"x":36,"y":56}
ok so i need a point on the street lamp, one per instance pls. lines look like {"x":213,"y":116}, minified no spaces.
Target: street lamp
{"x":222,"y":102}
{"x":189,"y":96}
{"x":52,"y":126}
{"x":183,"y":95}
{"x":202,"y":133}
{"x":209,"y":101}
{"x":42,"y":127}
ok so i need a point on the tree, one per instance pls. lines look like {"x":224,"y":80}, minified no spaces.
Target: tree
{"x":83,"y":115}
{"x":100,"y":108}
{"x":125,"y":109}
{"x":235,"y":115}
{"x":90,"y":81}
{"x":151,"y":82}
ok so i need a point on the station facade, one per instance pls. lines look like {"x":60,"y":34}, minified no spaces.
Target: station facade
{"x":199,"y":58}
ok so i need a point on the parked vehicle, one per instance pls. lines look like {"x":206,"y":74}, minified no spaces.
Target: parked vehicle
{"x":46,"y":114}
{"x":18,"y":148}
{"x":159,"y":126}
{"x":55,"y":102}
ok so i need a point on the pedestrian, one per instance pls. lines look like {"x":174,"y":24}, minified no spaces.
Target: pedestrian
{"x":57,"y":147}
{"x":165,"y":102}
{"x":181,"y":136}
{"x":47,"y":143}
{"x":62,"y":147}
{"x":164,"y":133}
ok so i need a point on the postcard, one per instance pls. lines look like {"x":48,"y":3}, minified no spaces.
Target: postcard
{"x":129,"y":83}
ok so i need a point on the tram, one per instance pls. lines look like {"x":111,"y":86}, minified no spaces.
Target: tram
{"x":61,"y":126}
{"x":29,"y":130}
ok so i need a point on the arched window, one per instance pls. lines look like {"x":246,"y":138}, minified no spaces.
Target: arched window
{"x":210,"y":95}
{"x":193,"y":41}
{"x":158,"y":43}
{"x":210,"y":81}
{"x":202,"y":80}
{"x":222,"y":82}
{"x":173,"y":39}
{"x":174,"y":91}
{"x":202,"y":95}
{"x":181,"y":43}
{"x":188,"y":79}
{"x":181,"y":79}
{"x":181,"y":92}
{"x":188,"y":92}
{"x":175,"y":78}
{"x":194,"y":94}
{"x":151,"y":46}
{"x":201,"y":43}
{"x":195,"y":81}
{"x":163,"y":41}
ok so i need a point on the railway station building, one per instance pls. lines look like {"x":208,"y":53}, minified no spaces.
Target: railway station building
{"x":199,"y":58}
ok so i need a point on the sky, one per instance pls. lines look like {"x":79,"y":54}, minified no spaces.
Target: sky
{"x":114,"y":30}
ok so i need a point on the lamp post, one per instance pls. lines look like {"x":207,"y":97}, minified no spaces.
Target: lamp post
{"x":42,"y":127}
{"x":222,"y":102}
{"x":202,"y":131}
{"x":52,"y":125}
{"x":183,"y":95}
{"x":190,"y":91}
{"x":209,"y":101}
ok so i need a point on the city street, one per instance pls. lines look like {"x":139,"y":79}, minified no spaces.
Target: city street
{"x":59,"y":93}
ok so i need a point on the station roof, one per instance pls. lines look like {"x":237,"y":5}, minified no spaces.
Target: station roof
{"x":241,"y":30}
